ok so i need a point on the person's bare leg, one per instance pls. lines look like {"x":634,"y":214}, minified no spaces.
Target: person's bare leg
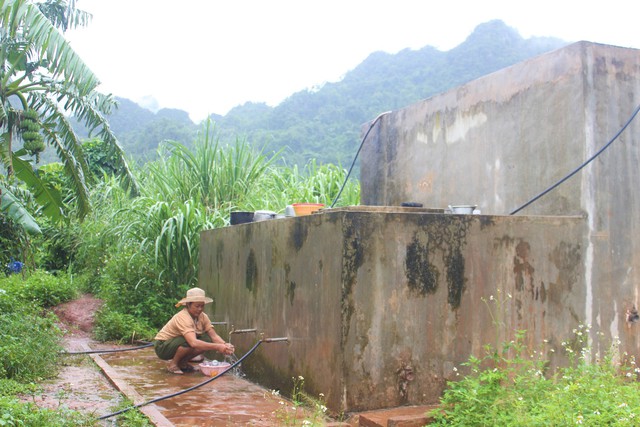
{"x":198,"y":357}
{"x":182,"y":356}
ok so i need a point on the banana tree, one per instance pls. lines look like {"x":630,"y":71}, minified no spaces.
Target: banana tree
{"x":42,"y":82}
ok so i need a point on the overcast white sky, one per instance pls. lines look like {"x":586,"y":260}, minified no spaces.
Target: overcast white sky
{"x":207,"y":56}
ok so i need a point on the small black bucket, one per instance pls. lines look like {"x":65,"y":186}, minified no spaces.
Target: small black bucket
{"x":241,"y":218}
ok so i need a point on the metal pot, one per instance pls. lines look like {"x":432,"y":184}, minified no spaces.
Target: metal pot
{"x":263,"y":215}
{"x":462,"y":209}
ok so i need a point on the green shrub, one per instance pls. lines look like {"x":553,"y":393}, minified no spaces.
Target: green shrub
{"x":39,"y":288}
{"x":10,"y":301}
{"x":29,"y":345}
{"x":114,"y":326}
{"x":133,"y":417}
{"x":58,"y":246}
{"x":506,"y":389}
{"x":9,"y":387}
{"x":13,"y":242}
{"x":16,"y":413}
{"x":130,"y":285}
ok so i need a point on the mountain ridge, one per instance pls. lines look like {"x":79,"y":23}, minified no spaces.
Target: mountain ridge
{"x":324,"y":123}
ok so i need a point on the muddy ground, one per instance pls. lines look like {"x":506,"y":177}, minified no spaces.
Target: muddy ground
{"x":80,"y":385}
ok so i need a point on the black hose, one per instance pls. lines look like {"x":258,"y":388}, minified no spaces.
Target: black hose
{"x":114,"y":350}
{"x":356,"y":156}
{"x":576,"y":170}
{"x":187,"y":389}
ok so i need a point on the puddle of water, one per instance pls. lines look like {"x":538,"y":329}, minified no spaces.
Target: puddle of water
{"x":227,"y":401}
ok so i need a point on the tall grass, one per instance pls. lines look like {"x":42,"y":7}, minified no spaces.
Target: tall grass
{"x":214,"y":175}
{"x":283,"y":186}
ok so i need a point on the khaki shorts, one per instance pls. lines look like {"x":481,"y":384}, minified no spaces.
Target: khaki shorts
{"x":165,"y":350}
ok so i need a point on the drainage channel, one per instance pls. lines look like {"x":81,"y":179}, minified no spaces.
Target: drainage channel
{"x":229,"y":400}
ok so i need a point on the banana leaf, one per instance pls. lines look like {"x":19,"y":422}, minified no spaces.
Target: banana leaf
{"x":12,"y":208}
{"x":47,"y":196}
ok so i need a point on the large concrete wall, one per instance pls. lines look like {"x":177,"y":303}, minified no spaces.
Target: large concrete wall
{"x":502,"y":139}
{"x":380,"y":306}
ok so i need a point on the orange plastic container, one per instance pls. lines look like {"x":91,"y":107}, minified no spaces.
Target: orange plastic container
{"x":302,"y":209}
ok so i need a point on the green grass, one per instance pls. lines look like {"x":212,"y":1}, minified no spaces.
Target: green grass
{"x":510,"y":387}
{"x":16,"y":413}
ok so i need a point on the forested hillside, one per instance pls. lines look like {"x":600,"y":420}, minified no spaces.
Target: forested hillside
{"x":325,"y":123}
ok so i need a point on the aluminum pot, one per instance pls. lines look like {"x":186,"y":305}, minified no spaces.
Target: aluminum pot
{"x":462,"y":209}
{"x":263,"y":215}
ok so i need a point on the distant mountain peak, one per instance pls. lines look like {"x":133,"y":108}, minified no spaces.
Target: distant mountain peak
{"x":324,"y":124}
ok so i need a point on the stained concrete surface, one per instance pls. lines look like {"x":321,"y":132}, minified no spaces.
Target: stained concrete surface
{"x":380,"y":306}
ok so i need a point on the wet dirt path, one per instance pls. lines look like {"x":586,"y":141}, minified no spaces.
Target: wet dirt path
{"x":86,"y":383}
{"x":227,"y":401}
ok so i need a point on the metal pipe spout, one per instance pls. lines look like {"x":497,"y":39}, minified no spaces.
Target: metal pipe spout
{"x":285,"y":339}
{"x":243,"y":331}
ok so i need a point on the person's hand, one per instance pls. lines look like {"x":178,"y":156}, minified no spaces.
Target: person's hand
{"x":228,"y":348}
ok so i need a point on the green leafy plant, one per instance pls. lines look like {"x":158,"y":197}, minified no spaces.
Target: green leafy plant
{"x":40,"y":288}
{"x":11,"y":387}
{"x":113,"y":326}
{"x":131,"y":418}
{"x":29,"y":345}
{"x":130,"y":283}
{"x":511,"y":387}
{"x":16,"y":413}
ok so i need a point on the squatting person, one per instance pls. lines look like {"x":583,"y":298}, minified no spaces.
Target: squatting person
{"x":189,"y":334}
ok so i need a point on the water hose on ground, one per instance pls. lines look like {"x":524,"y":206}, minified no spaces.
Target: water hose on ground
{"x":114,"y":350}
{"x":247,"y":354}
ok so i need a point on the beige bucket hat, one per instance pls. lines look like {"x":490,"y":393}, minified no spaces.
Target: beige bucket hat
{"x":194,"y":295}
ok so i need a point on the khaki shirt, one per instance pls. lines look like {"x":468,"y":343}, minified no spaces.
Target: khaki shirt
{"x":182,"y":323}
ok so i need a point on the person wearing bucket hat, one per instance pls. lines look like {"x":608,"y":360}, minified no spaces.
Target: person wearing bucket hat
{"x":189,"y":334}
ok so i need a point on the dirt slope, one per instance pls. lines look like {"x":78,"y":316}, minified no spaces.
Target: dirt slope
{"x":80,"y":385}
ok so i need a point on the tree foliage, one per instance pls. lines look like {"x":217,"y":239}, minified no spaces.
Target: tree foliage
{"x":42,"y":81}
